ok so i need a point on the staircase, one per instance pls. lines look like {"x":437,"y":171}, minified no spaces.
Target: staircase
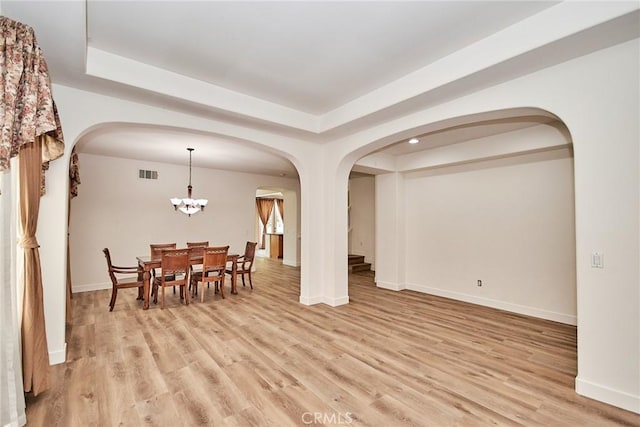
{"x":356,"y":263}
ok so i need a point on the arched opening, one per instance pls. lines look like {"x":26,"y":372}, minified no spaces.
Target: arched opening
{"x":129,"y":172}
{"x":482,"y":211}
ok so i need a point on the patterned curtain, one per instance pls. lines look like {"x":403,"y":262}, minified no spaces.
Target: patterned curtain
{"x":74,"y":174}
{"x":27,"y":110}
{"x":264,"y":207}
{"x":31,"y":129}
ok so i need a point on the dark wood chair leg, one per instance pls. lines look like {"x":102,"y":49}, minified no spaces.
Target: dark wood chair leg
{"x":250,"y":282}
{"x":114,"y":294}
{"x":154,"y":292}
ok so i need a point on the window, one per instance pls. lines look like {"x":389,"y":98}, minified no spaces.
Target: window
{"x":275,"y":224}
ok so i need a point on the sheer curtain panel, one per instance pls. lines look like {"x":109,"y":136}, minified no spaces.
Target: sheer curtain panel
{"x":280,"y":204}
{"x":11,"y":390}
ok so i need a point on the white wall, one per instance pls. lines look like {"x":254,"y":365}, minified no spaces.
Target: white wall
{"x":508,"y":222}
{"x":597,"y":97}
{"x":291,"y":239}
{"x":116,"y":209}
{"x":362,"y":218}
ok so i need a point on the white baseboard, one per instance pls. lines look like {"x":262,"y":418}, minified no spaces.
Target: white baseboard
{"x":311,"y":300}
{"x":390,"y":285}
{"x":91,"y":287}
{"x":57,"y":357}
{"x":291,"y":262}
{"x":501,"y":305}
{"x":335,"y":302}
{"x":608,"y":395}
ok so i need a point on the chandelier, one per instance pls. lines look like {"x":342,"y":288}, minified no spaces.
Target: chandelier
{"x":189,"y":205}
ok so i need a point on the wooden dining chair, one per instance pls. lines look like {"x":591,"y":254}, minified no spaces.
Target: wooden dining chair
{"x":214,"y":262}
{"x":174,"y":271}
{"x":196,"y":251}
{"x":156,"y":252}
{"x":245,"y":262}
{"x":204,"y":244}
{"x":122,"y":283}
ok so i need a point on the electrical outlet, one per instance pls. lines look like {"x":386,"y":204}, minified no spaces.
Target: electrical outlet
{"x":479,"y":282}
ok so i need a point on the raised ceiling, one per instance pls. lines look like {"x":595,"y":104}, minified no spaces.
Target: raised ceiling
{"x":308,"y":56}
{"x":316,"y":70}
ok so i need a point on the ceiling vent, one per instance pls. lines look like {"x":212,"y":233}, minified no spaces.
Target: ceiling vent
{"x":145,"y":174}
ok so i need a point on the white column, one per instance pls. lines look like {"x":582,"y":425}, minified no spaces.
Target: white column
{"x":324,"y":231}
{"x":390,"y":231}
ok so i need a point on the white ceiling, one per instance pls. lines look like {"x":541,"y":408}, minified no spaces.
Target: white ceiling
{"x":308,"y":61}
{"x":308,"y":56}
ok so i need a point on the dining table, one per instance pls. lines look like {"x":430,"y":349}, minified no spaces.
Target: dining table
{"x":147,"y":264}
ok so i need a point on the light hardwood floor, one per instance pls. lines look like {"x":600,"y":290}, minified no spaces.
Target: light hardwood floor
{"x":261,"y":358}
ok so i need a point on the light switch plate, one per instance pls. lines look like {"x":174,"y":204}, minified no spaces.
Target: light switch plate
{"x":597,"y":260}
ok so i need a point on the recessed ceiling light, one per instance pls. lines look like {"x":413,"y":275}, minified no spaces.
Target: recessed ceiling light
{"x":414,"y":141}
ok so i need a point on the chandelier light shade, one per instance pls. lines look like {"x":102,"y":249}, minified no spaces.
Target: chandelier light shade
{"x":189,"y":205}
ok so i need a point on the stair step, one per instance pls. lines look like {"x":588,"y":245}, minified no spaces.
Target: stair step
{"x":356,"y":259}
{"x":363,"y":266}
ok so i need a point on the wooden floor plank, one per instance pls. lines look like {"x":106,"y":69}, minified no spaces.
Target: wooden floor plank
{"x":158,"y":411}
{"x":260,"y":358}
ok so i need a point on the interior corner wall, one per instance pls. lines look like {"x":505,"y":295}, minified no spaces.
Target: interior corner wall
{"x":509,"y":223}
{"x":118,"y":210}
{"x":362,"y":218}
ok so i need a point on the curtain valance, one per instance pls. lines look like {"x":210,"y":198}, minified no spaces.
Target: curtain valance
{"x":27,"y":109}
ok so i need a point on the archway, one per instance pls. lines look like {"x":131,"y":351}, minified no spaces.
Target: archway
{"x":133,"y":211}
{"x":536,"y":151}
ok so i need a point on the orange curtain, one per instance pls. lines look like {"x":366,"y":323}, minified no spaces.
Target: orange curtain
{"x":280,"y":203}
{"x":69,"y":295}
{"x":35,"y":355}
{"x":264,"y":206}
{"x":74,"y":181}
